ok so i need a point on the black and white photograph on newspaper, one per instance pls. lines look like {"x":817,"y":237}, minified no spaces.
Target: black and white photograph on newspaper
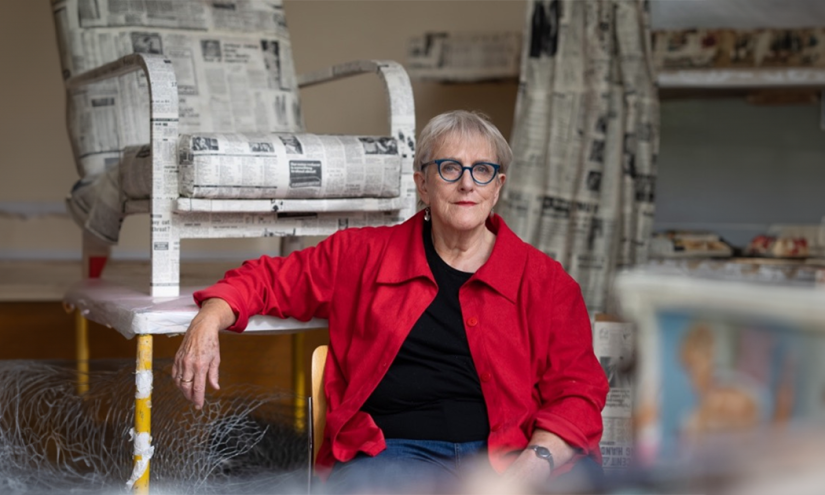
{"x":272,"y":62}
{"x":292,"y":144}
{"x":261,"y":147}
{"x":147,"y":43}
{"x":211,"y":50}
{"x":304,"y":173}
{"x":379,"y":145}
{"x":203,"y":143}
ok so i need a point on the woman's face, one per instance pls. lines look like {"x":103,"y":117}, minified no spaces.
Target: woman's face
{"x":463,"y":205}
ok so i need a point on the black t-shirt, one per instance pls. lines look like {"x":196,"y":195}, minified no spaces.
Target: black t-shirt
{"x":432,"y":391}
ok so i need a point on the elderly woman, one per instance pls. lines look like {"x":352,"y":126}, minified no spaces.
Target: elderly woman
{"x":449,"y":336}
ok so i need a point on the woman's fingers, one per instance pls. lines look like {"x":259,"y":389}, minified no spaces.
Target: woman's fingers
{"x":212,"y":374}
{"x":198,"y":355}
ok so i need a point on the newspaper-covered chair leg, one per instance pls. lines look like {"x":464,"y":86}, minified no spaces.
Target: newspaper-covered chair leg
{"x":95,"y":254}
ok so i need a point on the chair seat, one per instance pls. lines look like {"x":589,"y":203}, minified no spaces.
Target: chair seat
{"x":274,"y":166}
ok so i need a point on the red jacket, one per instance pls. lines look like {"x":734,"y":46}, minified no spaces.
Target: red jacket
{"x":527,"y":328}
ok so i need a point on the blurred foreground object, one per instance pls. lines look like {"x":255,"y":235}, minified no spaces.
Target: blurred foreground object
{"x":722,"y":356}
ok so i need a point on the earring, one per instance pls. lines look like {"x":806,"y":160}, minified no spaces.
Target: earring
{"x":427,"y":214}
{"x":491,"y":213}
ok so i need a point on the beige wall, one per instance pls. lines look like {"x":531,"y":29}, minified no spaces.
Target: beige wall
{"x":36,"y":159}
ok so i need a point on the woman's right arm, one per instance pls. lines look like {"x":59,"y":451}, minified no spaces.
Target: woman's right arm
{"x":198,"y":356}
{"x":298,"y":286}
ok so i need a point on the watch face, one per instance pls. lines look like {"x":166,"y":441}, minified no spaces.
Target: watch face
{"x":542,"y":451}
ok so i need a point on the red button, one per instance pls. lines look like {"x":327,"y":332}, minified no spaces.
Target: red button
{"x":472,"y":321}
{"x":486,"y":376}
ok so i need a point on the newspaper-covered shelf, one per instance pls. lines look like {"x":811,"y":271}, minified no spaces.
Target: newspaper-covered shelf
{"x":739,"y":48}
{"x":464,"y":57}
{"x":479,"y":57}
{"x":133,"y":312}
{"x":688,"y":244}
{"x":741,"y":78}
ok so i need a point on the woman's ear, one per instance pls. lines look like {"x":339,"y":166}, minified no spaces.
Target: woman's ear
{"x":501,"y":179}
{"x":421,"y":187}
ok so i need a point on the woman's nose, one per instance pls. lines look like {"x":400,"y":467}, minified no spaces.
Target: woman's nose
{"x":466,"y":182}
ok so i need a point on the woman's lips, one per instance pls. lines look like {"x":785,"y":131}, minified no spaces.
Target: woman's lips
{"x":465,"y":203}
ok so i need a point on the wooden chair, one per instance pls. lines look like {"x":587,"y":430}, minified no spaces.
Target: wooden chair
{"x":319,"y":400}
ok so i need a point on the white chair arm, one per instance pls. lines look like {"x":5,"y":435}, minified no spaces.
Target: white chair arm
{"x":163,"y":128}
{"x":398,"y":90}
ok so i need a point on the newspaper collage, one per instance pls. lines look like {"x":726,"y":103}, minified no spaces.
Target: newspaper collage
{"x":229,"y":77}
{"x":585,"y":139}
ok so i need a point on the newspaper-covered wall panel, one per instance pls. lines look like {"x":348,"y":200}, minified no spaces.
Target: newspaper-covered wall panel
{"x":585,"y":138}
{"x":285,"y":166}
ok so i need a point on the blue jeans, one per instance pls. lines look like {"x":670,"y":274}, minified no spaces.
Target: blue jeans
{"x":408,"y":466}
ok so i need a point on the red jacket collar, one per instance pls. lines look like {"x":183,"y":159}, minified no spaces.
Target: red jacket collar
{"x":405,"y":260}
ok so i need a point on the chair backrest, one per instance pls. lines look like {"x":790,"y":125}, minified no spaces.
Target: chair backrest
{"x":319,"y":400}
{"x":232,"y":61}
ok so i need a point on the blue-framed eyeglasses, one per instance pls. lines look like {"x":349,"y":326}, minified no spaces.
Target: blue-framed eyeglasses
{"x":451,"y":170}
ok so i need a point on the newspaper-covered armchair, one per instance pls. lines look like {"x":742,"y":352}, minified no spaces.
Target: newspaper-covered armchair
{"x":188,"y":110}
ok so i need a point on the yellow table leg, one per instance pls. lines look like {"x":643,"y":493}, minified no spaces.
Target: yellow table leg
{"x":143,"y":408}
{"x":81,"y":327}
{"x":299,"y":380}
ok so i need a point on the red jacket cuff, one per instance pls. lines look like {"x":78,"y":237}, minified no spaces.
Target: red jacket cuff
{"x":569,"y":432}
{"x":231,"y":296}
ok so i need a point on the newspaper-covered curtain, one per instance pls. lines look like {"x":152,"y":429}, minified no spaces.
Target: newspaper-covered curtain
{"x":585,"y":139}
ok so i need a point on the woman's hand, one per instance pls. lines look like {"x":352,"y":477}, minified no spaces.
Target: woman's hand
{"x":199,"y":356}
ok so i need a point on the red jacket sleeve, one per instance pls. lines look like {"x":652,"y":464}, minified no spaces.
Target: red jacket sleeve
{"x":296,"y":286}
{"x":574,"y":387}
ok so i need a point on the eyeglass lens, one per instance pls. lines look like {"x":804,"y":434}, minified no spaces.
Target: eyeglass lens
{"x":481,"y":172}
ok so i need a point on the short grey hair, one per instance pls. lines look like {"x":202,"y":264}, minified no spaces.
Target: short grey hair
{"x":462,"y":124}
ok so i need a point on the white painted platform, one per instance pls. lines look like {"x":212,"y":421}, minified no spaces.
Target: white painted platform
{"x":132,"y":312}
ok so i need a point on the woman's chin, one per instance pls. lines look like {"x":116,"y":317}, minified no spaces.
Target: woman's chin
{"x":463,"y":223}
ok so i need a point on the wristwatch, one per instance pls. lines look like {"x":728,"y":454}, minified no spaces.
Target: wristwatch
{"x":543,"y":453}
